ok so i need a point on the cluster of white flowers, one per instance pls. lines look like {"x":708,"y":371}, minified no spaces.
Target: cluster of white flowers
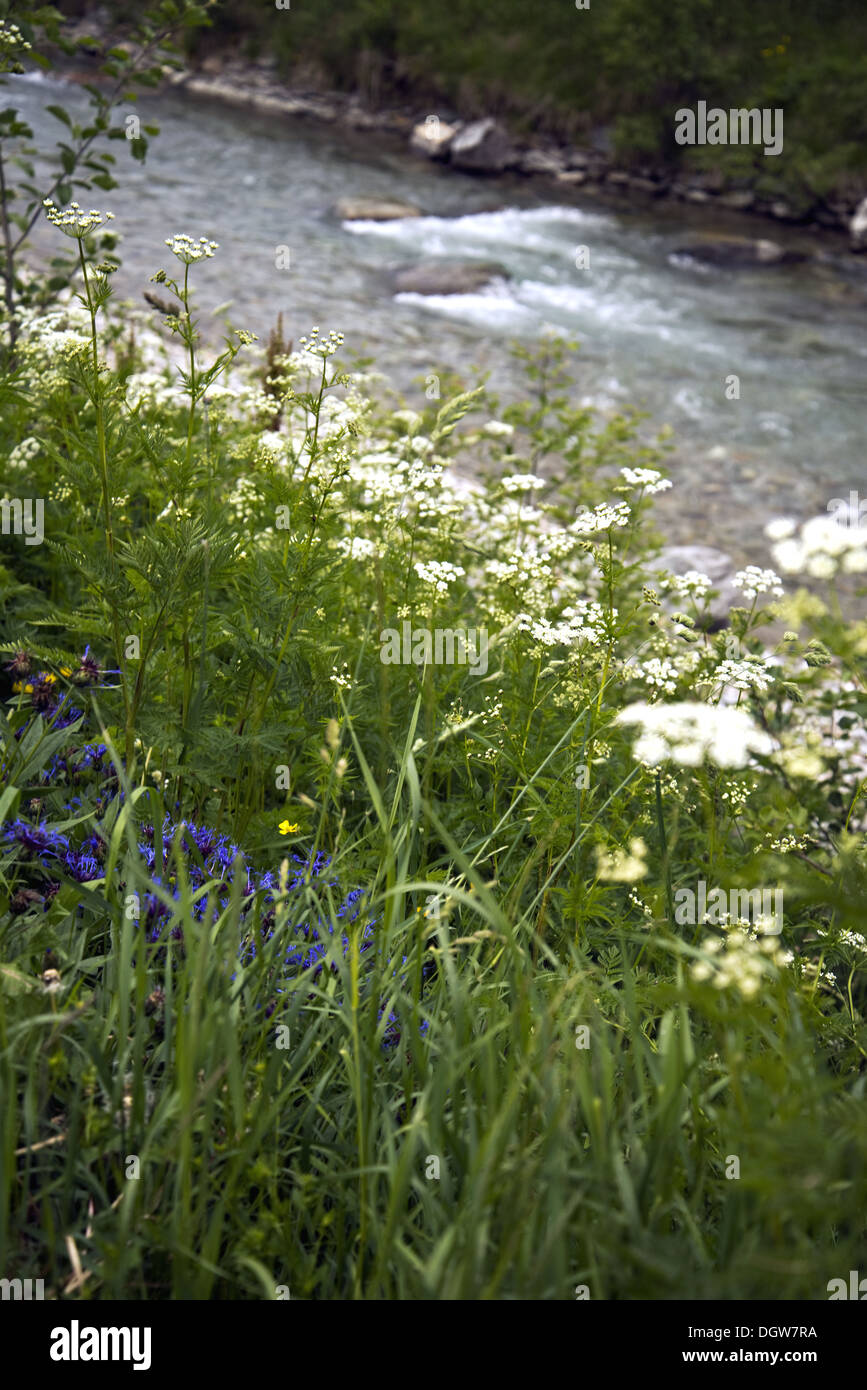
{"x":834,"y":736}
{"x":749,"y":673}
{"x":785,"y":844}
{"x":847,"y":938}
{"x":648,"y":479}
{"x":742,"y":960}
{"x":692,"y":584}
{"x":660,"y":672}
{"x":73,"y":221}
{"x":492,"y":705}
{"x":812,"y":970}
{"x":23,"y":454}
{"x":439,"y":574}
{"x":420,"y":444}
{"x":12,"y":42}
{"x":356,"y":547}
{"x":522,"y":482}
{"x":753,"y":581}
{"x":382,"y":458}
{"x":49,"y":341}
{"x":271,"y":448}
{"x":404,"y":484}
{"x":11,"y":36}
{"x":455,"y":716}
{"x":524,"y":571}
{"x":321,"y":347}
{"x":456,"y":720}
{"x":189,"y":251}
{"x":620,"y":867}
{"x":737,"y":794}
{"x":259,"y":403}
{"x":155,"y":388}
{"x":602,"y":518}
{"x":688,"y":732}
{"x":823,"y":548}
{"x":585,"y":621}
{"x":636,"y":899}
{"x":498,"y":429}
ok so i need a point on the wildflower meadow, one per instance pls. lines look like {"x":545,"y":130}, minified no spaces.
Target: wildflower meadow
{"x":409,"y":889}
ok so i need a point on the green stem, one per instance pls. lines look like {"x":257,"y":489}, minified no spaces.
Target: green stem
{"x":8,"y":257}
{"x":191,"y":345}
{"x":106,"y":496}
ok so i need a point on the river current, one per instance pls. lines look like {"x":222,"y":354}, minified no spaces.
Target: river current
{"x":657,"y":330}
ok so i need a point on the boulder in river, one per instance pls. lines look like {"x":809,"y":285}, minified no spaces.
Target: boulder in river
{"x":482,"y":147}
{"x":858,"y":227}
{"x":445,"y":277}
{"x":433,"y":137}
{"x":374,"y":210}
{"x":740,"y":251}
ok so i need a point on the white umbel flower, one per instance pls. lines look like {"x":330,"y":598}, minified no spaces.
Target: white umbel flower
{"x":438,"y":573}
{"x":823,"y":549}
{"x":687,"y":732}
{"x":648,"y":479}
{"x":187,"y":250}
{"x":73,"y":221}
{"x":753,"y":581}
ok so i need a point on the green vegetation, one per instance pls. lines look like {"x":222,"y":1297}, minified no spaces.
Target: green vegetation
{"x":368,"y":980}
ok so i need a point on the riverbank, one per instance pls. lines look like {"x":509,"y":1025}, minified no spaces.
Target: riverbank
{"x":658,"y":328}
{"x":486,"y":147}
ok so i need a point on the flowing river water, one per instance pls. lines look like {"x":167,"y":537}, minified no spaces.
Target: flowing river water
{"x":657,"y":330}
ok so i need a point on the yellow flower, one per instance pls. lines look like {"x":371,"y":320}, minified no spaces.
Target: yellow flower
{"x":286,"y":829}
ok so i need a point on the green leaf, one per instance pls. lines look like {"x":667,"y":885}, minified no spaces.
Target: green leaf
{"x":60,"y":115}
{"x":9,"y":803}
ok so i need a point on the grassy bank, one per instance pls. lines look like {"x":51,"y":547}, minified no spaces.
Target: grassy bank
{"x":334,"y":967}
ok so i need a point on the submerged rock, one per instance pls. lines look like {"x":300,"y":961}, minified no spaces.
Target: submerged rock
{"x":445,"y":277}
{"x":740,"y":251}
{"x":374,"y":210}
